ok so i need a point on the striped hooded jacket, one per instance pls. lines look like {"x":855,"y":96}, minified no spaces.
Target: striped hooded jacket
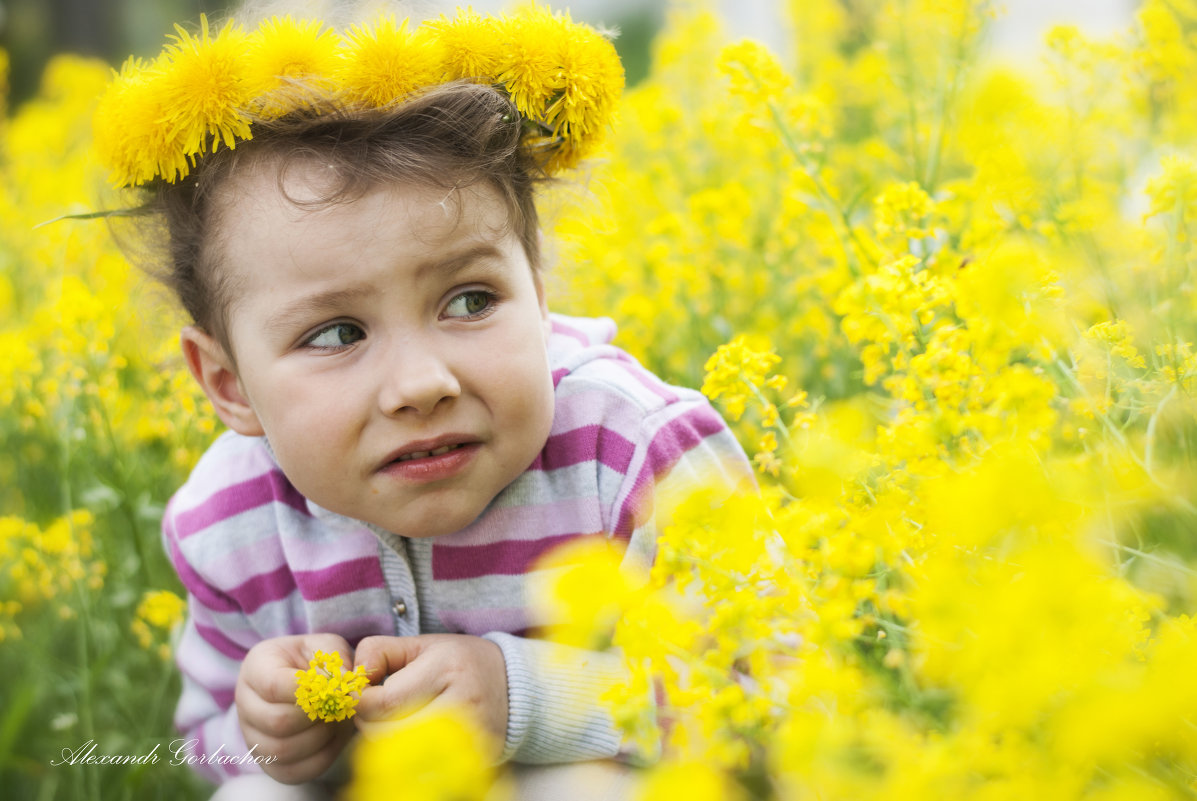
{"x":259,"y":560}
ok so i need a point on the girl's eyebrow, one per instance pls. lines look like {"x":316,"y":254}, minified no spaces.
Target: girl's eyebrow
{"x":451,"y":265}
{"x":301,"y":311}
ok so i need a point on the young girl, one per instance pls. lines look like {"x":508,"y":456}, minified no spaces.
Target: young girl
{"x":350,"y":223}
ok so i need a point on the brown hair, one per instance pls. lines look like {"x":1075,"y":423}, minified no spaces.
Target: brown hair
{"x":450,"y":136}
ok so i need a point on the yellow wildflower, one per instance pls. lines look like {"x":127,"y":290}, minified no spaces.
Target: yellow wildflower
{"x":326,"y":690}
{"x":1175,"y":188}
{"x":693,"y":781}
{"x":753,"y":70}
{"x":736,"y":371}
{"x":434,"y":757}
{"x":1117,"y":335}
{"x":585,"y":592}
{"x":161,"y":608}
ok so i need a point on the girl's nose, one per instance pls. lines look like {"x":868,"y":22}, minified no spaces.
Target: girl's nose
{"x":415,"y":379}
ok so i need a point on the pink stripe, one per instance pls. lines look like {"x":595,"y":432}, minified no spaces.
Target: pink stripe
{"x":484,"y":621}
{"x":364,"y":573}
{"x":224,"y":698}
{"x":312,"y":585}
{"x":195,"y":584}
{"x":511,"y":558}
{"x":307,"y":552}
{"x":558,"y":375}
{"x":671,"y":443}
{"x":204,"y":669}
{"x":201,"y":740}
{"x":589,"y":443}
{"x":216,"y":638}
{"x":569,"y":331}
{"x":233,"y":500}
{"x":263,"y":588}
{"x":242,"y":564}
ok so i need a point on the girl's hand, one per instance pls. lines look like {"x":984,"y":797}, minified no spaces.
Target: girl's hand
{"x":431,"y":672}
{"x":270,"y":719}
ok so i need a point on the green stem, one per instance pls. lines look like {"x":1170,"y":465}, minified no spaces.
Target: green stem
{"x":1149,"y":557}
{"x":946,"y":98}
{"x":1149,"y":447}
{"x":834,"y":211}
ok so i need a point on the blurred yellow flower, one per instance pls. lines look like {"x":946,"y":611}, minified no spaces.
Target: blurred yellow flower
{"x":432,"y":757}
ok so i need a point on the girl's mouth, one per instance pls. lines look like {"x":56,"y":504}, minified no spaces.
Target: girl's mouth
{"x":438,"y":464}
{"x":425,"y":454}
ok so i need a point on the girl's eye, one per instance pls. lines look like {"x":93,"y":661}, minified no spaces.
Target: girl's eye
{"x":470,"y":304}
{"x":337,"y":335}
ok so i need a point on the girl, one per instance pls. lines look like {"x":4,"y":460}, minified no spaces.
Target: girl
{"x":349,"y":220}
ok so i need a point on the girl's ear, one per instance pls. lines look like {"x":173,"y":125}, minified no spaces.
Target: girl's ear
{"x":214,"y":371}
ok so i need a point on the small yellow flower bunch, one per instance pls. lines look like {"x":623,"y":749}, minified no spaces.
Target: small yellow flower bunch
{"x":159,"y":611}
{"x":206,"y":90}
{"x":328,"y":691}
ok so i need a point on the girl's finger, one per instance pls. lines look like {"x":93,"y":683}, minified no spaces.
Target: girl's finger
{"x":384,"y":656}
{"x":303,"y":765}
{"x":402,"y":694}
{"x":297,"y":747}
{"x":281,"y":719}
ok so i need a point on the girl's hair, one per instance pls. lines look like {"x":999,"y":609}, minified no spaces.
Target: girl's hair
{"x":451,"y":136}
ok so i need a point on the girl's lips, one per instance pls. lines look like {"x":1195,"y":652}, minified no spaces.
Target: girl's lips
{"x":425,"y":469}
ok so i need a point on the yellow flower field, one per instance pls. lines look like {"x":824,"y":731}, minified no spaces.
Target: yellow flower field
{"x":948,"y":308}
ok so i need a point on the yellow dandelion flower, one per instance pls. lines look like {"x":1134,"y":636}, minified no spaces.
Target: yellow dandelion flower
{"x":470,"y":48}
{"x":386,"y":62}
{"x":593,"y":83}
{"x":326,"y":690}
{"x":531,"y":67}
{"x":131,"y":138}
{"x":288,"y":55}
{"x":204,"y":91}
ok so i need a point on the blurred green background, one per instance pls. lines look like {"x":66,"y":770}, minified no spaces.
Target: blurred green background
{"x":33,"y":30}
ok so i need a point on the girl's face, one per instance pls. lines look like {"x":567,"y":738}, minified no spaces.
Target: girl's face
{"x":391,"y":349}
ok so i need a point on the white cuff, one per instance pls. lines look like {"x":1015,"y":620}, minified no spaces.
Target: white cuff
{"x":553,"y":709}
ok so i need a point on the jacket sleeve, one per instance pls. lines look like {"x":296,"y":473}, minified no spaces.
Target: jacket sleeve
{"x":555,"y":711}
{"x":215,"y":640}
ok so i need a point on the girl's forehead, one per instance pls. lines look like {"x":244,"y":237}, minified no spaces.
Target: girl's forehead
{"x":303,"y":182}
{"x":272,"y":212}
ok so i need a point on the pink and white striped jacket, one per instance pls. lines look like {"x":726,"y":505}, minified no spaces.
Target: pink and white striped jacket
{"x":259,"y":560}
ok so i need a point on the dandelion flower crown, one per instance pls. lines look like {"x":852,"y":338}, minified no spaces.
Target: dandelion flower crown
{"x":204,"y":91}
